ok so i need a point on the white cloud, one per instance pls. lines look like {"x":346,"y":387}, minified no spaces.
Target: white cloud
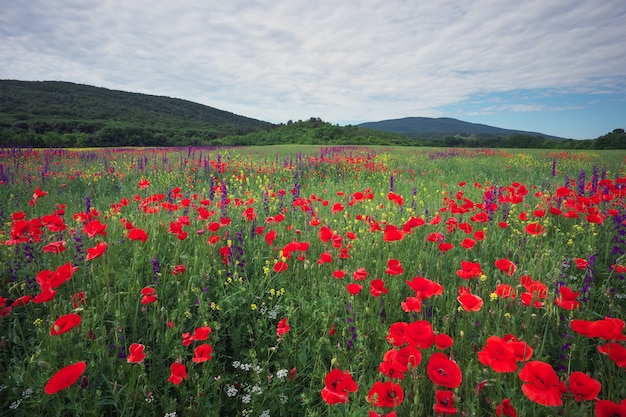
{"x":342,"y":61}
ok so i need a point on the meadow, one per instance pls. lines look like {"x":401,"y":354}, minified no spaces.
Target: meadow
{"x":312,"y":281}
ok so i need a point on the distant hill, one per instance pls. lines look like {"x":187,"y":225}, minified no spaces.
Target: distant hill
{"x":49,"y":112}
{"x":433,"y":128}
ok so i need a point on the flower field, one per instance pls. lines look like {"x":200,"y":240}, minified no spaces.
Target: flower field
{"x":313,"y":281}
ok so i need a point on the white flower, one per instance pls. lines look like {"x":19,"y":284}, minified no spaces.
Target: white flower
{"x":236,"y":364}
{"x":246,"y":399}
{"x":265,"y":413}
{"x":282,"y":373}
{"x":231,"y":391}
{"x":283,"y":398}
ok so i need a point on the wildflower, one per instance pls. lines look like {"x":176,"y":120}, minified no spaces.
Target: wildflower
{"x":498,"y":354}
{"x":567,"y":299}
{"x":337,"y":384}
{"x":64,"y":324}
{"x":377,"y":287}
{"x":93,"y":253}
{"x":354,"y":289}
{"x":385,"y":394}
{"x":541,"y":383}
{"x":504,"y":408}
{"x":137,"y":234}
{"x":394,"y":267}
{"x":178,"y":372}
{"x":606,"y":408}
{"x":65,"y":377}
{"x":583,"y":387}
{"x":419,"y":334}
{"x":444,"y":402}
{"x":136,"y":354}
{"x":443,"y":371}
{"x":202,"y":353}
{"x":505,"y":266}
{"x":282,"y":327}
{"x":616,"y":352}
{"x":148,"y":295}
{"x":469,"y":301}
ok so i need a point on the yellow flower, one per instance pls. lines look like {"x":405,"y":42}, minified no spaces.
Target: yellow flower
{"x":38,"y":322}
{"x":493,"y":296}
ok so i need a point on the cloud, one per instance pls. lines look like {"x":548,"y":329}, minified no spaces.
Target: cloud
{"x":342,"y":61}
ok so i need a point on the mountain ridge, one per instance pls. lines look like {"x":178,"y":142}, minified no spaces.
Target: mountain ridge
{"x":443,"y":126}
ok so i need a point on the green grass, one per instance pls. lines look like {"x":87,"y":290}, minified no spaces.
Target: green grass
{"x":230,"y":283}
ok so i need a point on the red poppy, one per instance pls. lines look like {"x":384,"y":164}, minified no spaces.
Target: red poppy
{"x":94,"y":228}
{"x":339,"y":274}
{"x":567,"y":299}
{"x":136,"y":354}
{"x":607,"y":329}
{"x":280,"y":267}
{"x":137,"y":234}
{"x":377,"y":287}
{"x":468,"y":243}
{"x":583,"y":387}
{"x":201,"y":333}
{"x":498,"y":354}
{"x":202,"y":353}
{"x":65,"y":377}
{"x":282,"y":327}
{"x":424,"y":288}
{"x":178,"y":372}
{"x":179,"y":269}
{"x":143,"y":184}
{"x":337,"y":384}
{"x":435,"y":237}
{"x":617,"y":353}
{"x":392,"y":233}
{"x":469,"y":301}
{"x":535,"y":229}
{"x":445,"y":246}
{"x":359,"y":274}
{"x":411,"y":304}
{"x":505,"y":291}
{"x":504,"y":408}
{"x":385,"y":394}
{"x":394,"y":267}
{"x":606,"y":408}
{"x":249,"y":214}
{"x":22,"y":301}
{"x":354,"y":289}
{"x":581,"y":263}
{"x":444,"y":402}
{"x":541,"y":383}
{"x":505,"y":266}
{"x":521,"y":350}
{"x":55,"y":247}
{"x":443,"y":341}
{"x":148,"y":295}
{"x":396,"y":198}
{"x":419,"y":334}
{"x":375,"y":414}
{"x":96,"y":251}
{"x":65,"y":323}
{"x":396,"y":334}
{"x":469,"y":270}
{"x":325,"y":258}
{"x":443,"y":372}
{"x":78,"y":299}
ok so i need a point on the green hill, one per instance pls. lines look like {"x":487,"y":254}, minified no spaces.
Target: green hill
{"x":54,"y":113}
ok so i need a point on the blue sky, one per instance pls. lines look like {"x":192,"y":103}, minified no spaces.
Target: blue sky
{"x":552,"y":66}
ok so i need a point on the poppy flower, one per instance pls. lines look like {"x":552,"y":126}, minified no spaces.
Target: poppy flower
{"x":354,"y":289}
{"x":419,"y":334}
{"x":504,"y":408}
{"x":136,"y":354}
{"x":411,"y":304}
{"x":93,"y":253}
{"x":541,"y":383}
{"x":202,"y":353}
{"x":375,"y":414}
{"x":385,"y":394}
{"x":468,"y":243}
{"x":424,"y":288}
{"x":617,"y":353}
{"x":78,"y":299}
{"x":282,"y":327}
{"x":535,"y":229}
{"x":65,"y":323}
{"x":606,"y":329}
{"x":359,"y":274}
{"x":394,"y":267}
{"x":505,"y":266}
{"x":521,"y":350}
{"x":65,"y":377}
{"x":583,"y":387}
{"x":396,"y":333}
{"x":581,"y":263}
{"x":148,"y":295}
{"x":444,"y":402}
{"x":325,"y":257}
{"x":469,"y":301}
{"x":435,"y":237}
{"x":55,"y":247}
{"x":567,"y":299}
{"x":339,"y":274}
{"x":443,"y":341}
{"x":94,"y":228}
{"x":606,"y":408}
{"x":201,"y":333}
{"x":443,"y":372}
{"x":22,"y":301}
{"x":143,"y":184}
{"x":337,"y":384}
{"x":445,"y":246}
{"x":469,"y":270}
{"x":178,"y":372}
{"x":137,"y":234}
{"x":179,"y":269}
{"x":498,"y":355}
{"x":377,"y":287}
{"x":505,"y":291}
{"x":280,"y":267}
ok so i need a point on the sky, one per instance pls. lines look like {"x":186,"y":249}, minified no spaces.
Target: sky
{"x":556,"y":67}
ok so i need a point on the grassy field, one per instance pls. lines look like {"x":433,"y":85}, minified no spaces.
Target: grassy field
{"x":286,"y":280}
